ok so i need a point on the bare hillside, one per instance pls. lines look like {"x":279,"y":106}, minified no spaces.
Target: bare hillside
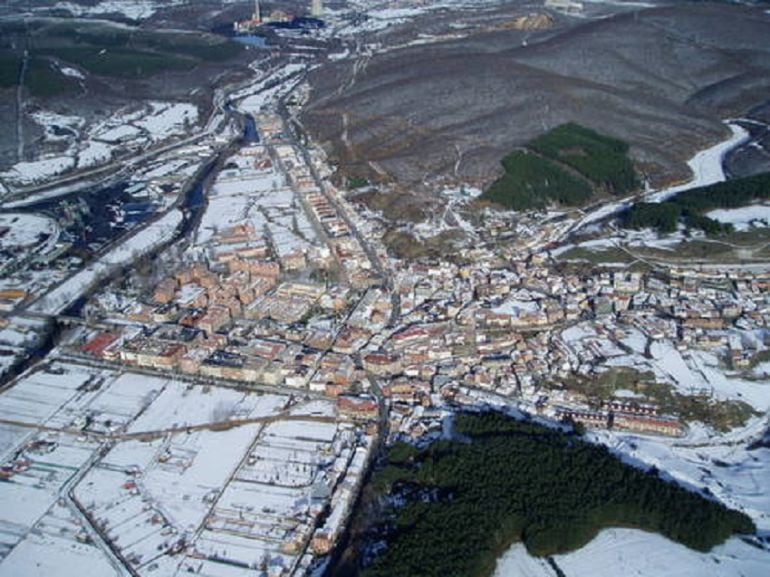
{"x":661,"y":79}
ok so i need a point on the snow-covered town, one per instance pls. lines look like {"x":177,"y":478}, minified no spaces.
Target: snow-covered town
{"x":202,"y":387}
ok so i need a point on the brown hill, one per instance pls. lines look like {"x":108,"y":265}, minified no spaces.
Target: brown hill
{"x":661,"y":79}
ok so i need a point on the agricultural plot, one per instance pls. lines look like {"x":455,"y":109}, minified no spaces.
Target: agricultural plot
{"x":112,"y":468}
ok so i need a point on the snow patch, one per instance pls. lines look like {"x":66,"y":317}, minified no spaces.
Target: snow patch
{"x":745,"y":217}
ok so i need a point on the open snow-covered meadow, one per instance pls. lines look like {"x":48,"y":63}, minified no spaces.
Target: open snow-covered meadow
{"x":633,"y":552}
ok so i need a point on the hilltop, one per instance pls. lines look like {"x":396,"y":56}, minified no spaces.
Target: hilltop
{"x":452,"y":107}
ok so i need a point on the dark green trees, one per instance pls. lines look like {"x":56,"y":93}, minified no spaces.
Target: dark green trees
{"x":467,"y":502}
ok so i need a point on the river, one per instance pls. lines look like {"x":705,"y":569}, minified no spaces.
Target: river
{"x":95,"y":217}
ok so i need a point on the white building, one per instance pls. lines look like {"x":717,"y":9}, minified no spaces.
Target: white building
{"x":566,"y":6}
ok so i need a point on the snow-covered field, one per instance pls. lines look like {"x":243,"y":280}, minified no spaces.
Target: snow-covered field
{"x":179,"y":406}
{"x":722,"y":464}
{"x":260,"y":197}
{"x":624,"y":552}
{"x":267,"y":88}
{"x":238,"y":496}
{"x":696,"y":371}
{"x":133,"y":9}
{"x":745,"y":217}
{"x":27,"y":232}
{"x":56,"y":550}
{"x":45,"y":167}
{"x":384,"y":15}
{"x":690,"y":371}
{"x":129,"y":129}
{"x":167,"y":119}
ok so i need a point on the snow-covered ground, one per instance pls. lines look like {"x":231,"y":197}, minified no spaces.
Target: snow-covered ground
{"x":167,"y":119}
{"x":632,"y":552}
{"x":45,"y":167}
{"x":695,"y":371}
{"x":139,"y":244}
{"x":133,"y":128}
{"x":27,"y":232}
{"x":706,"y":167}
{"x":72,"y":72}
{"x":93,"y":154}
{"x":260,"y":197}
{"x":384,"y":15}
{"x":625,"y":552}
{"x":237,"y":496}
{"x":745,"y":217}
{"x":133,"y":9}
{"x":267,"y":88}
{"x":57,"y":556}
{"x":722,"y":464}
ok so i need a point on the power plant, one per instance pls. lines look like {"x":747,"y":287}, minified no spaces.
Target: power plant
{"x":256,"y":20}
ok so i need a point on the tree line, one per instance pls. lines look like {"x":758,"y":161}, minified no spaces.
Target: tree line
{"x":536,"y":176}
{"x":689,"y":207}
{"x":464,"y":503}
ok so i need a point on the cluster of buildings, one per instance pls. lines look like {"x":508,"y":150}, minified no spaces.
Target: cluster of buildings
{"x":288,"y":285}
{"x":246,"y":335}
{"x":525,"y":331}
{"x":276,"y":15}
{"x":352,"y":260}
{"x":246,"y":309}
{"x":254,"y":301}
{"x":519,"y":331}
{"x":243,"y":388}
{"x":627,"y":416}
